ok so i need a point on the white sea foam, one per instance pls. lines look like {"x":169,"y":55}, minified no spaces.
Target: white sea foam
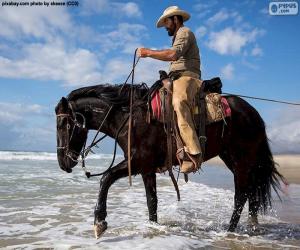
{"x":44,"y":156}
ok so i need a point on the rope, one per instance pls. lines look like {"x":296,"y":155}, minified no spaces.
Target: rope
{"x":132,"y":71}
{"x":130,"y":120}
{"x":263,"y":99}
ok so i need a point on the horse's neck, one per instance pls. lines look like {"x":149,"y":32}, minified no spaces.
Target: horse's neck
{"x":95,"y":113}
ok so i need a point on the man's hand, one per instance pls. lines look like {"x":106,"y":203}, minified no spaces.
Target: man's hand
{"x":142,"y":52}
{"x":163,"y":55}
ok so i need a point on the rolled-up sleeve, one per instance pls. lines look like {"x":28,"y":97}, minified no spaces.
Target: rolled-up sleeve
{"x":181,"y":43}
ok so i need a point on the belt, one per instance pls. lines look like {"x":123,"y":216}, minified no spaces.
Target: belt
{"x":174,"y":75}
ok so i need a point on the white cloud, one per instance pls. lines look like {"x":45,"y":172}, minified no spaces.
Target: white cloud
{"x":284,"y":132}
{"x":14,"y":112}
{"x":38,"y":22}
{"x":231,"y":41}
{"x":118,"y":69}
{"x":223,"y":15}
{"x":35,"y":138}
{"x":202,"y":9}
{"x":129,"y":9}
{"x":147,"y":70}
{"x":227,"y":71}
{"x":119,"y":9}
{"x":26,"y":126}
{"x":227,"y":41}
{"x":201,"y":32}
{"x":123,"y":38}
{"x":53,"y":62}
{"x":219,"y":17}
{"x":75,"y":66}
{"x":52,"y":54}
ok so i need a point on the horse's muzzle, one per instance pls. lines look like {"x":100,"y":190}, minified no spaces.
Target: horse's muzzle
{"x":66,"y":163}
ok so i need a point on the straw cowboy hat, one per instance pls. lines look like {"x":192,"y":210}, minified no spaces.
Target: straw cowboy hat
{"x":172,"y":11}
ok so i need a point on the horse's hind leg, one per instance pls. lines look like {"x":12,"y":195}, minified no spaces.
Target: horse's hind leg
{"x":150,"y":186}
{"x":240,"y":198}
{"x":253,"y":209}
{"x":243,"y":189}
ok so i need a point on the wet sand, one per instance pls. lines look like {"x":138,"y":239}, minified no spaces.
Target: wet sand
{"x":289,"y":166}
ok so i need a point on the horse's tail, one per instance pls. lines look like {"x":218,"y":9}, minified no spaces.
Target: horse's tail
{"x":265,"y":176}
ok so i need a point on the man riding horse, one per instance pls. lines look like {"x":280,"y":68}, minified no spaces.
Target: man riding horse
{"x":241,"y":142}
{"x":185,"y":62}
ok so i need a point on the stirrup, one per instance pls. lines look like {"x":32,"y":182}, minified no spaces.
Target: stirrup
{"x":192,"y":164}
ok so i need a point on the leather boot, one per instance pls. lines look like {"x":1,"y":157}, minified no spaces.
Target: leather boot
{"x":192,"y":164}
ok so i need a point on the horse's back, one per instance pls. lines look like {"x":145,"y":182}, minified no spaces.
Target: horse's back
{"x":244,"y":114}
{"x":245,"y":131}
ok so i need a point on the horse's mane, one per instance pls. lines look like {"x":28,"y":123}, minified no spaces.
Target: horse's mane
{"x":113,"y":94}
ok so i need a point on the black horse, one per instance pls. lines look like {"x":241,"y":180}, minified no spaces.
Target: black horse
{"x":242,"y":144}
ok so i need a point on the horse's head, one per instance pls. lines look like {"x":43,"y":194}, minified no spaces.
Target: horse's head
{"x":71,"y":134}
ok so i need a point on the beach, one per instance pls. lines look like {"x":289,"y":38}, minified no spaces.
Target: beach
{"x":288,"y":166}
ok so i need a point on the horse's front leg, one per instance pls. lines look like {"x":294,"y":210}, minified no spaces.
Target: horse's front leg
{"x":117,"y":172}
{"x":150,"y":186}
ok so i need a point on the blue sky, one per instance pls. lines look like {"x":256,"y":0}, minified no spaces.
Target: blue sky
{"x":45,"y":52}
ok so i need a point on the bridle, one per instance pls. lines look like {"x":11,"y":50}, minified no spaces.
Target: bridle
{"x":88,"y":149}
{"x":85,"y":150}
{"x":76,"y":123}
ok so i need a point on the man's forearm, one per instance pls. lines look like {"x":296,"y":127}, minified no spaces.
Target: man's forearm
{"x":164,"y":55}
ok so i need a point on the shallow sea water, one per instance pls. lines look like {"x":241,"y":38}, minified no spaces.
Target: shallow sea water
{"x":42,"y":207}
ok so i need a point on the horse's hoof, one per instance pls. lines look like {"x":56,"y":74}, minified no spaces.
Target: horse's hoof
{"x":99,"y":228}
{"x":253,"y":224}
{"x":252,"y":221}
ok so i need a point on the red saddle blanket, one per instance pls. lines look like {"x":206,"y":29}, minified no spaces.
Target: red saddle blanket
{"x":156,"y":105}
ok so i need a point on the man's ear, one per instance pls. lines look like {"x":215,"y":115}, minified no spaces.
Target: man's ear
{"x":176,"y":20}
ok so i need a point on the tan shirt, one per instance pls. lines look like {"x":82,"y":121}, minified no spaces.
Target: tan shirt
{"x":187,"y":52}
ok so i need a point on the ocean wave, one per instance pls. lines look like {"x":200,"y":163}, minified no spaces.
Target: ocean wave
{"x":44,"y":156}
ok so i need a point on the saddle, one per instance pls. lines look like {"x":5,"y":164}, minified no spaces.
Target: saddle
{"x":210,"y":107}
{"x":216,"y":107}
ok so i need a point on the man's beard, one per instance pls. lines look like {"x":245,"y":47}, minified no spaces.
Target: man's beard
{"x":170,"y":32}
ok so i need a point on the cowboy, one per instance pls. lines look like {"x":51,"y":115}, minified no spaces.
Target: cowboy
{"x":185,"y":60}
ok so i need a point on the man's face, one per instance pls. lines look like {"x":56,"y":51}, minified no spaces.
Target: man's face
{"x":170,"y":26}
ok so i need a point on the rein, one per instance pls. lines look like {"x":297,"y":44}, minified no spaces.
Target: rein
{"x":84,"y":154}
{"x":130,"y":120}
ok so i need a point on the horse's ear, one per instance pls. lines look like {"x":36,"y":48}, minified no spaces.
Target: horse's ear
{"x":62,"y":106}
{"x":64,"y":103}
